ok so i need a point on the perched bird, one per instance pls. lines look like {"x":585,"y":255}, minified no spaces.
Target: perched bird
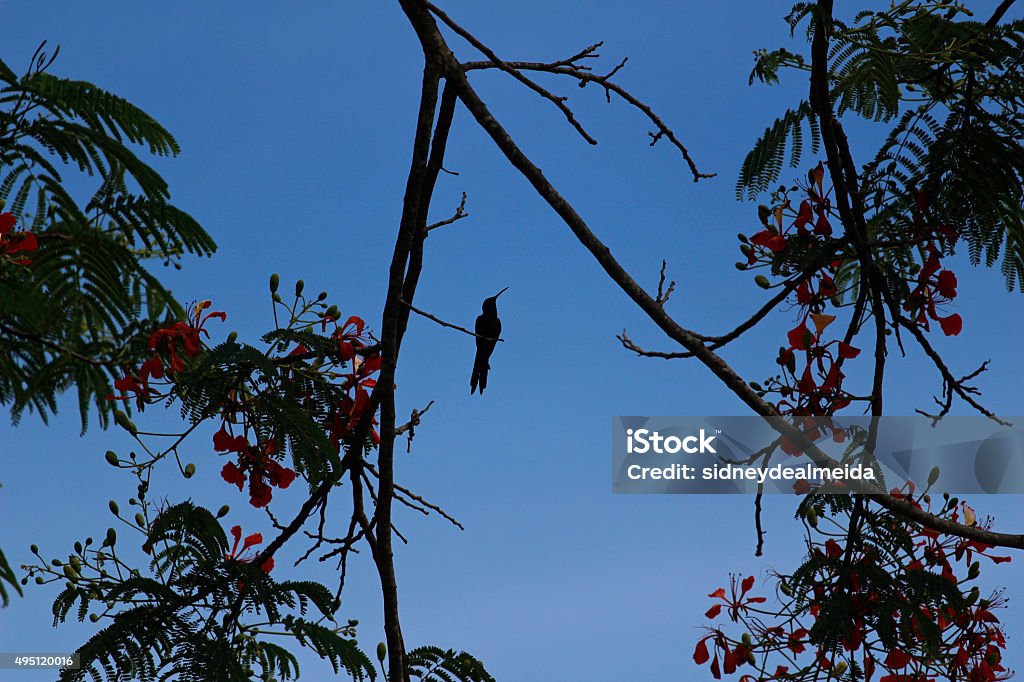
{"x":488,"y":329}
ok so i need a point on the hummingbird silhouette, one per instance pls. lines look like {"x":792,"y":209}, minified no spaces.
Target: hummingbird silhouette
{"x":488,"y":329}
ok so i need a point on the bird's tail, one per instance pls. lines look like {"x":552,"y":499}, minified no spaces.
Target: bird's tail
{"x":479,"y":377}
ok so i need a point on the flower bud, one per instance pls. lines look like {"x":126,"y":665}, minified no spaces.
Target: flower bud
{"x":125,"y":423}
{"x":973,"y":571}
{"x":140,"y":519}
{"x":232,"y":337}
{"x":299,"y":286}
{"x":762,"y":213}
{"x":812,"y":517}
{"x":763,"y":282}
{"x":190,"y":470}
{"x":322,"y":296}
{"x":742,"y":237}
{"x":275,"y":281}
{"x":741,"y":266}
{"x":333,"y":312}
{"x":111,"y":458}
{"x":78,"y":547}
{"x":34,"y":549}
{"x":93,"y":617}
{"x":223,"y":511}
{"x":840,"y":668}
{"x":786,"y":590}
{"x":382,"y":651}
{"x":113,"y":507}
{"x":933,"y":476}
{"x":70,"y":573}
{"x":40,"y":580}
{"x":111,"y":538}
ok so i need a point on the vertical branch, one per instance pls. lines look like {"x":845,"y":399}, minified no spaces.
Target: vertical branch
{"x":392,"y":329}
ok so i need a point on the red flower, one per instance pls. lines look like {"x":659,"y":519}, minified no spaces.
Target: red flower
{"x":14,"y":243}
{"x":185,"y":336}
{"x":238,"y":554}
{"x":773,"y":241}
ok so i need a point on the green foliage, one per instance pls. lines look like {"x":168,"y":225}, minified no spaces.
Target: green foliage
{"x":7,"y":576}
{"x":69,"y":174}
{"x":949,"y":88}
{"x":432,"y":664}
{"x":201,"y":615}
{"x":763,"y":165}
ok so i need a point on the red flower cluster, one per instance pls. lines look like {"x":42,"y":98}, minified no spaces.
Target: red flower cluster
{"x":184,"y":336}
{"x":732,"y":657}
{"x":358,"y":383}
{"x":238,"y":554}
{"x":935,"y":287}
{"x":255,"y":463}
{"x":15,"y":242}
{"x":813,"y":212}
{"x":972,"y":640}
{"x":166,"y":342}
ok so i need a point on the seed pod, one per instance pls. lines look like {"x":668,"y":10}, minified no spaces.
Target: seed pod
{"x":190,"y":470}
{"x":275,"y":281}
{"x":382,"y":651}
{"x":111,"y":458}
{"x":113,"y":507}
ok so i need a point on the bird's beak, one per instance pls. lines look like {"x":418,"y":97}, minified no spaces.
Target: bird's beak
{"x":501,"y":292}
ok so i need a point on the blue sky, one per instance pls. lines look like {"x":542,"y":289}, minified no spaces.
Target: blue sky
{"x":295,"y":123}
